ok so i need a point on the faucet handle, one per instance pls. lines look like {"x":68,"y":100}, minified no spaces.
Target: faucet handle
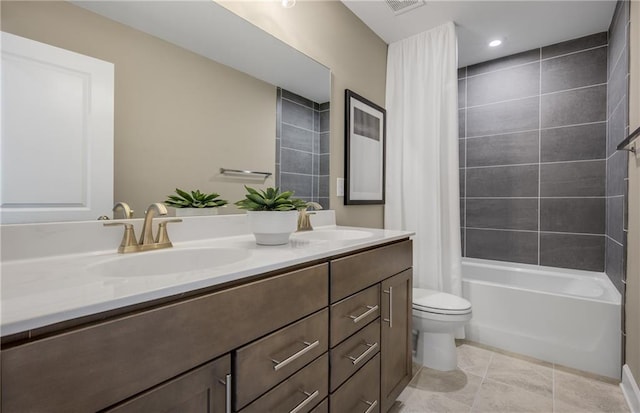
{"x":128,"y":243}
{"x":163,"y":235}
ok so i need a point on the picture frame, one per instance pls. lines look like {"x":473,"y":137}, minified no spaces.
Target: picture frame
{"x":365,"y":150}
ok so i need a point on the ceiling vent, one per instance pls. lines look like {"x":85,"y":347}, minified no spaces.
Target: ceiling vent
{"x":403,"y":6}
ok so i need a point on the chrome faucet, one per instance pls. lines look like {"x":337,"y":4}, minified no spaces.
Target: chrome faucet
{"x":304,"y":220}
{"x":147,"y":242}
{"x":124,"y":208}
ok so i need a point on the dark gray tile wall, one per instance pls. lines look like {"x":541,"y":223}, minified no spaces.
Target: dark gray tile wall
{"x":302,"y":147}
{"x":618,"y":129}
{"x":533,"y":145}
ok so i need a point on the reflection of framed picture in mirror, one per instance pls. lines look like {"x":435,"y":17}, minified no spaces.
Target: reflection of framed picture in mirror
{"x":365,"y":136}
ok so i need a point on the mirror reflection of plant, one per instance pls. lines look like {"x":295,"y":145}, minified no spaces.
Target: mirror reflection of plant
{"x":270,"y":199}
{"x":195,"y":199}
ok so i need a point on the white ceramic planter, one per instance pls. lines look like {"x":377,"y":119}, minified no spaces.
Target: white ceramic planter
{"x":272,"y":227}
{"x":195,"y":212}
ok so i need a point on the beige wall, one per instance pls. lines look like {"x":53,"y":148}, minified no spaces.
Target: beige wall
{"x":633,"y":240}
{"x":329,"y":33}
{"x":179,"y":117}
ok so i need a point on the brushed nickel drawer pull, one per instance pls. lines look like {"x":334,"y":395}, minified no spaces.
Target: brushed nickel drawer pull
{"x":308,"y":347}
{"x":227,"y":392}
{"x":372,"y":405}
{"x":310,"y":396}
{"x":371,"y":310}
{"x":356,"y":360}
{"x":390,"y":319}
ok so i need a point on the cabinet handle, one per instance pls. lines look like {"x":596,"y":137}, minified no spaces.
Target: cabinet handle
{"x":310,"y":396}
{"x":372,"y":405}
{"x":308,"y":347}
{"x":390,"y":319}
{"x":227,"y":392}
{"x":371,"y":348}
{"x":371,"y":310}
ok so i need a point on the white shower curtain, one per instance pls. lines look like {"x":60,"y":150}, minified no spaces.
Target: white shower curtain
{"x":422,"y":192}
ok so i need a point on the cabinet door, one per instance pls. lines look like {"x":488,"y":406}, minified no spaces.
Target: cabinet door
{"x":204,"y":390}
{"x":396,"y":337}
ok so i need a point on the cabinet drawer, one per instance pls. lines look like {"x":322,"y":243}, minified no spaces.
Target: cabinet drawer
{"x":266,"y":362}
{"x":201,"y":390}
{"x":353,"y":313}
{"x":322,"y":407}
{"x":354,"y":353}
{"x":304,"y":390}
{"x":130,"y":354}
{"x":361,"y":392}
{"x":357,"y":272}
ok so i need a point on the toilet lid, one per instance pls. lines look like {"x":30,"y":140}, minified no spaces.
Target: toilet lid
{"x":439,"y":302}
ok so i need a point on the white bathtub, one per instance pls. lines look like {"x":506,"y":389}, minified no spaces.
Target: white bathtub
{"x":568,"y":317}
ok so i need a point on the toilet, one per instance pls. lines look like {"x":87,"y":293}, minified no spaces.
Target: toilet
{"x":436,"y":317}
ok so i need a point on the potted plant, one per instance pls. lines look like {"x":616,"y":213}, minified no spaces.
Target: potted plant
{"x":195,"y":203}
{"x":272,"y":215}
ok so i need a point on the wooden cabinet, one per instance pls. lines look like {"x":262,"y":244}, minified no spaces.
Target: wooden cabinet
{"x":204,"y":390}
{"x":371,"y":285}
{"x":114,"y":360}
{"x":312,"y":339}
{"x":361,"y":393}
{"x":395,"y":354}
{"x":266,"y":362}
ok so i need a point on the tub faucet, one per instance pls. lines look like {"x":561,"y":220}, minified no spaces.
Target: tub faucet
{"x":304,"y":221}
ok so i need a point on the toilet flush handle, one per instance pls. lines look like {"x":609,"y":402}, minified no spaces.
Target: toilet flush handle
{"x":390,"y":319}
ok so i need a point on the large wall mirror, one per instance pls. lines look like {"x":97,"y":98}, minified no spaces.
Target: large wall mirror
{"x":197,"y":88}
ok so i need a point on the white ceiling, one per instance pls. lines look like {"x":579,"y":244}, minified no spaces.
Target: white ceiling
{"x":522,"y":25}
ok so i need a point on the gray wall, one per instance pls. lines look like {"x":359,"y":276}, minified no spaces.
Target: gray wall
{"x":302,"y":147}
{"x":617,"y":161}
{"x":533,"y":156}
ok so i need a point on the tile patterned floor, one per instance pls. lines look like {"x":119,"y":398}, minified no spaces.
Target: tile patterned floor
{"x":493,"y":382}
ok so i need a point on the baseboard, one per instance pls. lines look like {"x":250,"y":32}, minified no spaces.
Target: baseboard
{"x":630,"y":389}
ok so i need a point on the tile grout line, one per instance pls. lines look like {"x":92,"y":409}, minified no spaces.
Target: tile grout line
{"x":534,"y":61}
{"x":539,"y":151}
{"x":534,"y":130}
{"x":553,"y":387}
{"x":466,"y":86}
{"x":484,"y":376}
{"x":538,"y":95}
{"x":538,"y":163}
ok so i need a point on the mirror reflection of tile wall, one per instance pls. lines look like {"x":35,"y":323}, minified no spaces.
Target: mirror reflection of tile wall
{"x":302,"y":147}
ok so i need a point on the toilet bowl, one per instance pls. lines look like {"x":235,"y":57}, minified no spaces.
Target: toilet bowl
{"x":436,"y":317}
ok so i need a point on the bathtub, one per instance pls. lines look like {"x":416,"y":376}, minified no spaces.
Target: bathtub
{"x":568,"y":317}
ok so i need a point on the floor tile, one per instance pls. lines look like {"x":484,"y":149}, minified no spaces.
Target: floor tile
{"x":429,"y":402}
{"x":456,"y":385}
{"x":491,"y":380}
{"x":588,"y":394}
{"x":522,"y":374}
{"x":474,"y":360}
{"x":499,"y":397}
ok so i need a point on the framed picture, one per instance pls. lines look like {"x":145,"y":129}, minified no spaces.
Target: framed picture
{"x":365,"y":138}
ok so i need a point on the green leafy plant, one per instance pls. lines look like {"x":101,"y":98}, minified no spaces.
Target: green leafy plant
{"x":195,"y":199}
{"x":270,"y":199}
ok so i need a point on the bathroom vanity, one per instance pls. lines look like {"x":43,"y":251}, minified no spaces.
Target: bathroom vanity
{"x":327,"y":331}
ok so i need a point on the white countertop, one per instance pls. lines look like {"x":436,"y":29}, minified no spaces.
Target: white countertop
{"x":37,"y":292}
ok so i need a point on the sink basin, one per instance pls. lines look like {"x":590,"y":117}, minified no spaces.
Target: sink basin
{"x":170,"y":261}
{"x":333,"y":234}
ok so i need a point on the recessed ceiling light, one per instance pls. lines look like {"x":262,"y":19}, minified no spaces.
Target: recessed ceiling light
{"x":287,"y":4}
{"x":495,"y":43}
